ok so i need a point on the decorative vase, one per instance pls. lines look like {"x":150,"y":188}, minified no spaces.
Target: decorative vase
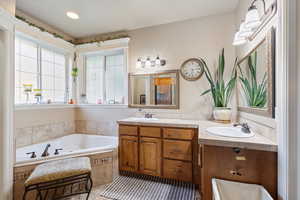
{"x":222,"y":114}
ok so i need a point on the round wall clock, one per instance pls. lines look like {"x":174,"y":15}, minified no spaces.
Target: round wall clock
{"x":192,"y":69}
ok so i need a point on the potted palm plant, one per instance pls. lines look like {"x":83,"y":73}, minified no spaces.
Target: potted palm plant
{"x":220,"y":90}
{"x":255,"y":91}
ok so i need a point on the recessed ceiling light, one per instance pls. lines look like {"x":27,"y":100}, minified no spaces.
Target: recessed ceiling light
{"x":72,"y":15}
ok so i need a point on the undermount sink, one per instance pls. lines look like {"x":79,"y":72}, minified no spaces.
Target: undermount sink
{"x":235,"y":132}
{"x":145,"y":119}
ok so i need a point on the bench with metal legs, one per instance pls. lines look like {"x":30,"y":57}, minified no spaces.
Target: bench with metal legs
{"x":60,"y":179}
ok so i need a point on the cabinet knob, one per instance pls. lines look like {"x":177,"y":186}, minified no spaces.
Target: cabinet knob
{"x":235,"y":173}
{"x":236,"y":150}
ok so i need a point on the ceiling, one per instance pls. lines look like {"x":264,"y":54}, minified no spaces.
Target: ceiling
{"x":103,"y":16}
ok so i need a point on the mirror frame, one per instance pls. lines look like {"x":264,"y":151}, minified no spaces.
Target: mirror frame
{"x":177,"y":102}
{"x":270,"y":39}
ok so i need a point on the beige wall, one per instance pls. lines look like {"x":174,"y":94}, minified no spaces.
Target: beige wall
{"x":177,"y":42}
{"x":9,"y":5}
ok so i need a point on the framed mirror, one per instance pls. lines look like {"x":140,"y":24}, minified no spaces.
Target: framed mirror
{"x":256,"y":85}
{"x":154,"y":90}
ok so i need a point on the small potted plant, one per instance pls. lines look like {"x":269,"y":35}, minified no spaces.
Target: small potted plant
{"x":220,"y":90}
{"x":27,"y":91}
{"x":38,"y":95}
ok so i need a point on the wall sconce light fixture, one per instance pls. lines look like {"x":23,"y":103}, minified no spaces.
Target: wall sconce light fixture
{"x":253,"y":23}
{"x":148,"y":63}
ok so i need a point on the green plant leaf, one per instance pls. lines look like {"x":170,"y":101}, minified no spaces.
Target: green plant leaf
{"x":205,"y":92}
{"x":255,"y":92}
{"x":221,"y":91}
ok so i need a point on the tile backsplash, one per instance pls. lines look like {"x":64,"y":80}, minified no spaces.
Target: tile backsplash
{"x":109,"y":128}
{"x":40,"y":133}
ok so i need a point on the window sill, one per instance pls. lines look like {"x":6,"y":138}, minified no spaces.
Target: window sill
{"x":43,"y":106}
{"x":68,"y":106}
{"x":101,"y":106}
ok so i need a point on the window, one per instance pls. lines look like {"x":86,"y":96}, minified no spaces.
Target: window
{"x":41,"y":68}
{"x":105,"y":78}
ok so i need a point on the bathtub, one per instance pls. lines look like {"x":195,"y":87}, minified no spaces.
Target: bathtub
{"x":102,"y":151}
{"x":72,"y":145}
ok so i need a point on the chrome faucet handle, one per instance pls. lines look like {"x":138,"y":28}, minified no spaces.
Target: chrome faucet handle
{"x":57,"y":151}
{"x":148,"y":115}
{"x":245,"y":127}
{"x":33,"y":155}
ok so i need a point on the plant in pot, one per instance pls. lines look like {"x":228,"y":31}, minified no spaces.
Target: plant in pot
{"x":255,"y":91}
{"x":220,"y":90}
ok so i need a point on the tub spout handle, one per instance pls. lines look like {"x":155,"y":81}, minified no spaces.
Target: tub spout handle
{"x":33,"y":155}
{"x":57,"y":151}
{"x":46,"y":153}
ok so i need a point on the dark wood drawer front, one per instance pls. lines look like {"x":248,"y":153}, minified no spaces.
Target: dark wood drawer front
{"x":181,"y":150}
{"x":177,"y":133}
{"x":128,"y":130}
{"x":150,"y":132}
{"x":178,"y":170}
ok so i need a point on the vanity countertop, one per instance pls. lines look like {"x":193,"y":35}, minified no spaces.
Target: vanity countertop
{"x":257,"y":142}
{"x":180,"y":123}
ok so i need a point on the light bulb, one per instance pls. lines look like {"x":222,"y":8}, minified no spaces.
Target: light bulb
{"x":252,"y":18}
{"x":139,"y":63}
{"x":148,"y":62}
{"x":244,"y":31}
{"x":238,"y":40}
{"x":72,"y":15}
{"x":157,"y":61}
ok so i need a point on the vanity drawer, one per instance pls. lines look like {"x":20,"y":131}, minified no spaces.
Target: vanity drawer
{"x":150,"y":132}
{"x":128,"y":130}
{"x":181,"y":150}
{"x":177,"y":133}
{"x":179,"y":170}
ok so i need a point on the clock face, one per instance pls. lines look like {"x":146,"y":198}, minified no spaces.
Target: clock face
{"x":192,"y":69}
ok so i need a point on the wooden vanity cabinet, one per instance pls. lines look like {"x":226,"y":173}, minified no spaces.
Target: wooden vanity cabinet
{"x":128,"y":153}
{"x":235,"y":164}
{"x":150,"y":156}
{"x":159,"y":151}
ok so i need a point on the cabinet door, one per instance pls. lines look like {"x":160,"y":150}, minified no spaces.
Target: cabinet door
{"x":128,"y":153}
{"x":247,"y":166}
{"x":150,"y":156}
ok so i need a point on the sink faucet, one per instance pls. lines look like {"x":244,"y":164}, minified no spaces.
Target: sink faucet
{"x":148,"y":115}
{"x":245,"y":127}
{"x":46,"y":153}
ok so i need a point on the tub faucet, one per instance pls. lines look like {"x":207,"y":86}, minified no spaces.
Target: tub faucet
{"x":46,"y":153}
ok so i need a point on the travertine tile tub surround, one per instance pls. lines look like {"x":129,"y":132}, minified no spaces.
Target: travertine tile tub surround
{"x":104,"y":169}
{"x":40,"y":133}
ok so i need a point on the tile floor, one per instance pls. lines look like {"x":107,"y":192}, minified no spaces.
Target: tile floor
{"x":95,"y":194}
